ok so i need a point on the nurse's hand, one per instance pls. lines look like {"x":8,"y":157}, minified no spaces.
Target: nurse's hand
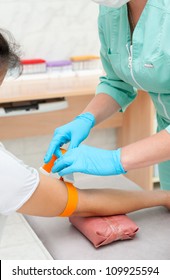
{"x":74,"y":132}
{"x":89,"y":160}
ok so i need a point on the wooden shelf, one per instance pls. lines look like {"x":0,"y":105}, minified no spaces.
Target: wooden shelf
{"x":34,"y":89}
{"x":78,"y":91}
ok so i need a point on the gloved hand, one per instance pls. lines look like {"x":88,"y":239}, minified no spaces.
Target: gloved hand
{"x":75,"y":131}
{"x":89,"y":160}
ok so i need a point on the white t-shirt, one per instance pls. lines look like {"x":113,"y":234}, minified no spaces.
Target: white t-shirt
{"x":17,"y":182}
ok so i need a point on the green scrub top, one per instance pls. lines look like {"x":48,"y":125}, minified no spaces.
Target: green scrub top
{"x":140,"y":61}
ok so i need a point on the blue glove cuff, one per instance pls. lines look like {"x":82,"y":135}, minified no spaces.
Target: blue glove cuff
{"x":117,"y":158}
{"x":88,"y":116}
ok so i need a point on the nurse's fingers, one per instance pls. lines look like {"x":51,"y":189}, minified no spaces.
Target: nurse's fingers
{"x":54,"y":147}
{"x":61,"y":163}
{"x":74,"y":143}
{"x":68,"y":170}
{"x":58,"y":152}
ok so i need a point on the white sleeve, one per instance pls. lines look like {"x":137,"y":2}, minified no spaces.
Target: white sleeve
{"x":17,"y":182}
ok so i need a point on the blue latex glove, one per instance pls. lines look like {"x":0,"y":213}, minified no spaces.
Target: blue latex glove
{"x":89,"y":160}
{"x":74,"y":132}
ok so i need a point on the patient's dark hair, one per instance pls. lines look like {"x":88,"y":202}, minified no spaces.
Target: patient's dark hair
{"x":9,"y":52}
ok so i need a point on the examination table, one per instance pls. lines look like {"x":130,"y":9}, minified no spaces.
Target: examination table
{"x":64,"y":242}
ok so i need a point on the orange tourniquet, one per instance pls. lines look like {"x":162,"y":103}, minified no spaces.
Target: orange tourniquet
{"x":71,"y":201}
{"x":72,"y":191}
{"x":48,"y":166}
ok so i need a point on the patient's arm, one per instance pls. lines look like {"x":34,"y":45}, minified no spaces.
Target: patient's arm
{"x":50,"y":198}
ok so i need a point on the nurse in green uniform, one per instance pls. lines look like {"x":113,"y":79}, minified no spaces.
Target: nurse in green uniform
{"x":135,"y":53}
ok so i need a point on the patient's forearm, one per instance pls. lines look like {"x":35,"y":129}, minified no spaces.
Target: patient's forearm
{"x":103,"y":202}
{"x":50,"y":199}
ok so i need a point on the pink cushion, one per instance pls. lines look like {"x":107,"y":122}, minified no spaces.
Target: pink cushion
{"x":104,"y":230}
